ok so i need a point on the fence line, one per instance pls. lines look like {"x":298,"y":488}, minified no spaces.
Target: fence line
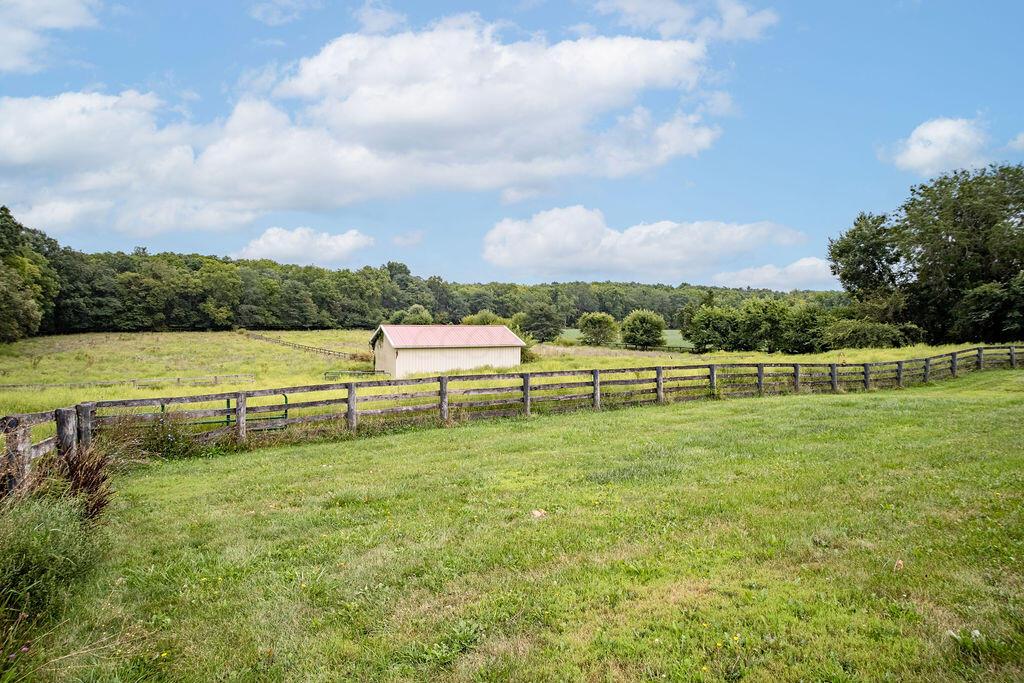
{"x":302,"y":347}
{"x":472,"y":396}
{"x":141,"y":382}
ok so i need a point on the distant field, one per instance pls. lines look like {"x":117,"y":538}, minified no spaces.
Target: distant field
{"x":827,"y":537}
{"x":111,"y":356}
{"x":672,"y":337}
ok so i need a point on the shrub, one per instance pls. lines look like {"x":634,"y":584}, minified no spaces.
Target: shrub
{"x":542,"y":322}
{"x":484,"y":317}
{"x":713,"y":328}
{"x":805,"y":329}
{"x":598,"y":329}
{"x":761,"y":325}
{"x":414,"y":315}
{"x":643,"y":328}
{"x":861,"y":334}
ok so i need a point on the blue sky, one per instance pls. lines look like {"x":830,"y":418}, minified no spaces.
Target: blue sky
{"x":713,"y":141}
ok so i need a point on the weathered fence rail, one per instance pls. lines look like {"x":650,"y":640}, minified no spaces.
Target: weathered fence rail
{"x":302,"y":347}
{"x":237,"y":414}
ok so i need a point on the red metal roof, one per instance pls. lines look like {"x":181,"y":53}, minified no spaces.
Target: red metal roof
{"x":447,"y":336}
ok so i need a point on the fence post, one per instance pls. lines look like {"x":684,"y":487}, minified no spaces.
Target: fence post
{"x":867,"y":375}
{"x":67,"y":432}
{"x":760,"y":379}
{"x":833,"y":372}
{"x":713,"y":379}
{"x":899,"y":373}
{"x":796,"y":377}
{"x":1013,"y":357}
{"x":241,"y":426}
{"x":954,"y":362}
{"x":927,"y":370}
{"x":15,"y":465}
{"x":526,"y":394}
{"x":351,"y":416}
{"x":981,"y":358}
{"x":597,"y":389}
{"x":442,"y":382}
{"x":85,"y":414}
{"x":659,"y":381}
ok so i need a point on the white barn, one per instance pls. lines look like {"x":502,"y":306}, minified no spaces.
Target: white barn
{"x":404,"y":350}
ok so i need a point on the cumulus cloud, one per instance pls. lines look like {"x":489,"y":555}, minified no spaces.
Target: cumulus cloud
{"x":806,"y":273}
{"x":60,"y":215}
{"x":1017,"y":143}
{"x":28,"y":24}
{"x":305,"y":246}
{"x":280,"y":12}
{"x":452,"y":106}
{"x":942,"y":144}
{"x":670,"y":19}
{"x":376,"y":17}
{"x":577,"y":240}
{"x":408,"y":239}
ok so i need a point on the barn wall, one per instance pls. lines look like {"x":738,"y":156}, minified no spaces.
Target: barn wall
{"x":434,"y":361}
{"x":384,"y":356}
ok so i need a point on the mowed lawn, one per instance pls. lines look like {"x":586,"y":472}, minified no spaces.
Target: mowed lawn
{"x":826,"y":537}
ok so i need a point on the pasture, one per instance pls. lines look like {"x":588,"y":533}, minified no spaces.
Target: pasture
{"x":99,"y":357}
{"x":863,"y":536}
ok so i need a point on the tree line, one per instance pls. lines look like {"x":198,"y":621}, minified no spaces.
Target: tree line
{"x":947,"y":265}
{"x":53,"y":289}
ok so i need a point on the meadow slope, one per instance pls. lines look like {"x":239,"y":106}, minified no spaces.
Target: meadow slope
{"x":825,"y":537}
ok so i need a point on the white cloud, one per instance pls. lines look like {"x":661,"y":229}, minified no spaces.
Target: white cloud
{"x":1017,"y":143}
{"x":60,"y":214}
{"x":670,"y":19}
{"x":408,"y":239}
{"x":279,"y":12}
{"x":667,"y":17}
{"x":376,"y":17}
{"x":514,"y":195}
{"x":28,"y":23}
{"x":452,"y":106}
{"x":806,"y":273}
{"x":942,"y":144}
{"x":305,"y":246}
{"x":577,"y":240}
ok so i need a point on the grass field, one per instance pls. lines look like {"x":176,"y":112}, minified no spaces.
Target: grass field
{"x":672,"y":337}
{"x":113,"y":356}
{"x":828,"y":537}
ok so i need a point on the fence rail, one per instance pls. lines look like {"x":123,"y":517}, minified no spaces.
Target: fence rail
{"x":302,"y":347}
{"x":236,"y":414}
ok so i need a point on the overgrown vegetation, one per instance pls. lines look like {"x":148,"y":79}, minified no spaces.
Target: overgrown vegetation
{"x":48,"y":543}
{"x":866,"y":536}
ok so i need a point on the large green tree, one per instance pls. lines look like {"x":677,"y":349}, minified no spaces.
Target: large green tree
{"x":957,"y":238}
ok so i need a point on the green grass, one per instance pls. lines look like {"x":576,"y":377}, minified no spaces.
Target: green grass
{"x":826,"y":537}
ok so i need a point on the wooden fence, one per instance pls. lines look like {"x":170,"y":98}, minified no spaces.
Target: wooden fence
{"x":303,"y":347}
{"x":470,"y":396}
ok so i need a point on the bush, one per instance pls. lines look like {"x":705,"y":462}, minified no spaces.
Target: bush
{"x":598,"y":329}
{"x":414,"y":315}
{"x":484,"y":317}
{"x":542,"y":321}
{"x":643,"y":328}
{"x":761,"y":325}
{"x":862,"y":334}
{"x":713,"y":328}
